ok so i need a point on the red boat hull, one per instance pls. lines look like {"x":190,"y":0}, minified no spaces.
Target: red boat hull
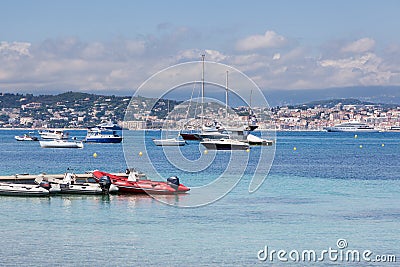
{"x":141,"y":186}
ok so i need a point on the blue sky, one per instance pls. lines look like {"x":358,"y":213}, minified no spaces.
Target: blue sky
{"x":104,"y":45}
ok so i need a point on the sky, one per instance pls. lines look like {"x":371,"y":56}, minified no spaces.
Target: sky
{"x":114,"y":46}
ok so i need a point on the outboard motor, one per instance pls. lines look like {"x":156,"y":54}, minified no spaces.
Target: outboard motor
{"x":173,"y":181}
{"x":45,"y":185}
{"x":105,"y":183}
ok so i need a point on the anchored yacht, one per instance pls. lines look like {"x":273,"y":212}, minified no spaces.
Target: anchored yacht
{"x":351,"y":127}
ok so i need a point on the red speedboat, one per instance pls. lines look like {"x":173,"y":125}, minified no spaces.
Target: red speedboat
{"x":136,"y":183}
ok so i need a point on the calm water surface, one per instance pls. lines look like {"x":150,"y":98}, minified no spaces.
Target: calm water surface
{"x":328,"y":188}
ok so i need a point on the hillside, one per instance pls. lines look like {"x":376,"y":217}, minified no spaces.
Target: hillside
{"x":373,"y":94}
{"x":330,"y":103}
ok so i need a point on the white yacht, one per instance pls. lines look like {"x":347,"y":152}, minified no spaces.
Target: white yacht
{"x":225,"y":144}
{"x":395,"y":129}
{"x":53,"y":134}
{"x":61,"y":144}
{"x":101,"y":135}
{"x":351,"y":127}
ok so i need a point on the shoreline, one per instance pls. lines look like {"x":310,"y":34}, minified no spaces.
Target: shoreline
{"x":257,"y":130}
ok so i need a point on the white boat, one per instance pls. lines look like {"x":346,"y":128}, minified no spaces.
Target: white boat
{"x":53,"y":134}
{"x":98,"y":135}
{"x":225,"y":144}
{"x":61,"y":144}
{"x":255,"y":140}
{"x":169,"y":142}
{"x":351,"y":127}
{"x":109,"y":126}
{"x":26,"y":137}
{"x":12,"y":189}
{"x":69,"y":185}
{"x":394,"y":129}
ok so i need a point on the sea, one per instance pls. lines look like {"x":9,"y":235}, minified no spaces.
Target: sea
{"x":326,"y":199}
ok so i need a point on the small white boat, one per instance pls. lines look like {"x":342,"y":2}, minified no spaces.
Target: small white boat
{"x":69,"y":185}
{"x":26,"y":137}
{"x":12,"y":189}
{"x":53,"y":134}
{"x":225,"y":144}
{"x":61,"y":144}
{"x":169,"y":142}
{"x":255,"y":140}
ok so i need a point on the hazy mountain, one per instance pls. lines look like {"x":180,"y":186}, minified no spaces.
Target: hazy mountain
{"x":374,"y":94}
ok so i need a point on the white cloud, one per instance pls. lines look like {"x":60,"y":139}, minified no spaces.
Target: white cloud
{"x":276,"y":56}
{"x":361,"y":70}
{"x":94,"y":50}
{"x":359,"y":46}
{"x":71,"y":64}
{"x":214,"y":55}
{"x":269,"y":40}
{"x":368,"y":62}
{"x":135,"y":47}
{"x":15,"y":48}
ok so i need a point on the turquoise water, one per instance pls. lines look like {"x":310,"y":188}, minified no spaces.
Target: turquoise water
{"x":327,"y":189}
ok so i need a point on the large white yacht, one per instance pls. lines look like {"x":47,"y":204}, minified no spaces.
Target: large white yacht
{"x":351,"y":127}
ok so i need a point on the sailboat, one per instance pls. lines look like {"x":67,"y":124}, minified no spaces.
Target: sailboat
{"x":169,"y":141}
{"x":212,"y":131}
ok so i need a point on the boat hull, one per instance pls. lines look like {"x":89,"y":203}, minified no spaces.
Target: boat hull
{"x":169,"y":142}
{"x":257,"y":141}
{"x":60,"y":144}
{"x":84,"y":189}
{"x":212,"y":146}
{"x":126,"y":188}
{"x":352,"y":127}
{"x":104,"y":140}
{"x":190,"y":136}
{"x":225,"y":145}
{"x":142,"y":186}
{"x":335,"y":129}
{"x":22,"y":190}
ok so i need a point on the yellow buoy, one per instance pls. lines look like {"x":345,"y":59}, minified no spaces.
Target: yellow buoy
{"x":248,"y":150}
{"x":355,"y":136}
{"x":361,"y":146}
{"x":383,"y":145}
{"x":205,"y":151}
{"x":94,"y":155}
{"x":140,"y":153}
{"x":295,"y":148}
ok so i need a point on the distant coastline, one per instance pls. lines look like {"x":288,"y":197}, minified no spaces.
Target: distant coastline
{"x":79,"y":111}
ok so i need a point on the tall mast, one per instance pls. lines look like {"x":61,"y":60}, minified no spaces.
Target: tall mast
{"x":226,"y":95}
{"x":250,"y":111}
{"x":202,"y":91}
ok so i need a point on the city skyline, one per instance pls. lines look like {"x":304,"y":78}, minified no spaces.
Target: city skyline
{"x":99,"y":47}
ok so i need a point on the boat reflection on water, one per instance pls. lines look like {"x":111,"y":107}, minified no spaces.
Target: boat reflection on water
{"x":144,"y":200}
